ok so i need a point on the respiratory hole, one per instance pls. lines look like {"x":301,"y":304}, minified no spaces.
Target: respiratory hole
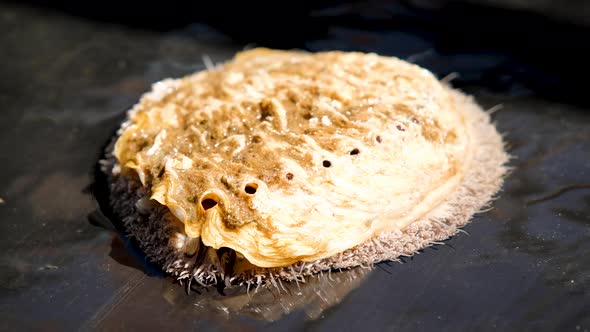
{"x":251,"y":188}
{"x":209,"y":201}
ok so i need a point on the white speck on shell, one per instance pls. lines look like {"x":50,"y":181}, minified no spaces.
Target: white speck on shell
{"x":161,"y":89}
{"x":177,"y":240}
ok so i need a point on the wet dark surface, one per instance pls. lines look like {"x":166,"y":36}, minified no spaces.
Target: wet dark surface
{"x":65,"y":83}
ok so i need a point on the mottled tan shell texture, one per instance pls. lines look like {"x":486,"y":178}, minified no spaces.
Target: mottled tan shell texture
{"x":281,"y":164}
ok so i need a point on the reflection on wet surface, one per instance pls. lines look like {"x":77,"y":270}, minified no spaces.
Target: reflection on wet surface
{"x":313,"y":297}
{"x":557,"y":193}
{"x":524,"y":265}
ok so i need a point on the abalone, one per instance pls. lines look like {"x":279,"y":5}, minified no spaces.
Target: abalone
{"x":287,"y":163}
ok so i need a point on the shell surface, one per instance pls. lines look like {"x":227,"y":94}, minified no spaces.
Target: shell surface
{"x":289,"y":156}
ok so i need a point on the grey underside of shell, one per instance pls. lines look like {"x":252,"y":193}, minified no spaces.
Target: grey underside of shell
{"x":483,"y":180}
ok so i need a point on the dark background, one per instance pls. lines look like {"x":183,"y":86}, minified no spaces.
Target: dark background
{"x":538,"y":44}
{"x":69,"y":70}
